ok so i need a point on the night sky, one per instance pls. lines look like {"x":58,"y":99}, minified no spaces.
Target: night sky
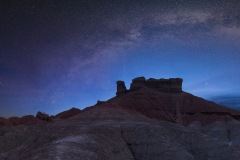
{"x":59,"y":54}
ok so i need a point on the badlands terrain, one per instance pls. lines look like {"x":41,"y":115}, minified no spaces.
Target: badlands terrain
{"x":153,"y":120}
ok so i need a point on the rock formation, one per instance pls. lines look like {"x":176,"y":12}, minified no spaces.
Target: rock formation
{"x":135,"y":125}
{"x":172,"y":85}
{"x":43,"y":116}
{"x":137,"y":83}
{"x":121,"y":88}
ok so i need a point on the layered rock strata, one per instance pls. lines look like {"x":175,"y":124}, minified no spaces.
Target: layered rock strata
{"x":171,"y":85}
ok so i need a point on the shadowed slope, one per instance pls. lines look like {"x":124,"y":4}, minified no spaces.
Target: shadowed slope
{"x":180,"y":108}
{"x":69,"y":113}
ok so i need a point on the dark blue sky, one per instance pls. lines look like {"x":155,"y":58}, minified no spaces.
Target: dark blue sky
{"x":58,"y":54}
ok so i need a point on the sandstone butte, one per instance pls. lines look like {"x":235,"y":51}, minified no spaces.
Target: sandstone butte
{"x":159,"y":99}
{"x":153,"y":119}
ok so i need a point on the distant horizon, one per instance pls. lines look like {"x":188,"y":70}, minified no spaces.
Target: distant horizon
{"x":230,"y":101}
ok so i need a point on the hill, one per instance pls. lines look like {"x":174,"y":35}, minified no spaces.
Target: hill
{"x":152,"y":120}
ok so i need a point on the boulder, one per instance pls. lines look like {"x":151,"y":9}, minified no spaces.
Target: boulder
{"x":43,"y":116}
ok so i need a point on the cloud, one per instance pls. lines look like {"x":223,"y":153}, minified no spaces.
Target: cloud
{"x":135,"y":35}
{"x":182,"y":18}
{"x":230,"y":32}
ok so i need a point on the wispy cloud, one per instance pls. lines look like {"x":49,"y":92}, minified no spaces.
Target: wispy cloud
{"x":182,"y":17}
{"x":184,"y":27}
{"x":230,"y":32}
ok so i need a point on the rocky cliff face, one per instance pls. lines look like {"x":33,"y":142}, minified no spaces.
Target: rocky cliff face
{"x":172,"y":85}
{"x":121,"y":88}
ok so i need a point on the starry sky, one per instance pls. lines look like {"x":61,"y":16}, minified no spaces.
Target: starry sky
{"x":59,"y":54}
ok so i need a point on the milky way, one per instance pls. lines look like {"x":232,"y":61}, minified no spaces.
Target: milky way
{"x":59,"y":54}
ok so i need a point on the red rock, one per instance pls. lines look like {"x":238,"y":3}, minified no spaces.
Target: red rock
{"x":68,"y":113}
{"x":121,"y":88}
{"x":146,"y":103}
